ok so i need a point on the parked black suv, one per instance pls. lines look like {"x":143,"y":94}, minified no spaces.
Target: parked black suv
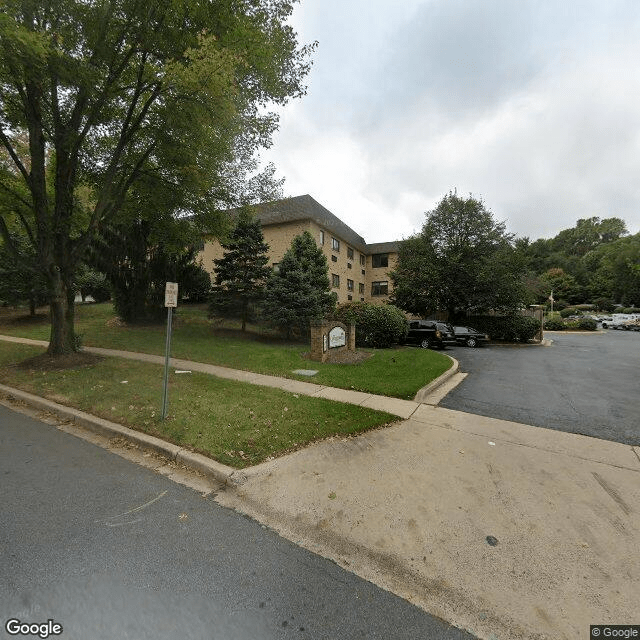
{"x":430,"y":333}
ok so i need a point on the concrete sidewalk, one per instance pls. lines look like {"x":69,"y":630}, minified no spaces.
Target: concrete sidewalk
{"x":395,"y":406}
{"x":503,"y":529}
{"x":508,"y":530}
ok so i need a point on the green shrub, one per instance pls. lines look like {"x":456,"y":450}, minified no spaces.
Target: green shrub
{"x":568,"y":311}
{"x":100,"y":290}
{"x":631,"y":310}
{"x":378,"y":326}
{"x":513,"y":328}
{"x":587,"y":324}
{"x":604,"y":304}
{"x":553,"y":324}
{"x":90,"y":282}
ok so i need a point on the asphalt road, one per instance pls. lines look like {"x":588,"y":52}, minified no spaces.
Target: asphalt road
{"x":109,"y":549}
{"x":587,"y":384}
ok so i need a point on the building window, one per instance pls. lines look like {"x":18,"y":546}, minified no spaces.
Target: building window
{"x":349,"y":297}
{"x":380,"y":260}
{"x":334,"y":259}
{"x":361,"y":299}
{"x":321,"y":237}
{"x":335,"y":281}
{"x":335,"y":244}
{"x":363,"y":260}
{"x":348,"y":265}
{"x":380,"y":288}
{"x":363,"y":272}
{"x":350,"y":253}
{"x":349,"y":285}
{"x":361,"y":288}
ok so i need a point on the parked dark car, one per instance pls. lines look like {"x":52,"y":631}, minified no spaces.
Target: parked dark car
{"x":430,"y":333}
{"x":469,"y":336}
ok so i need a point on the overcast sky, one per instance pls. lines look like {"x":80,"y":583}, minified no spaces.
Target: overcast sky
{"x":532,"y":105}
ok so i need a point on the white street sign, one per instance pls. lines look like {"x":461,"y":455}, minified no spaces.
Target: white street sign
{"x":171,"y":294}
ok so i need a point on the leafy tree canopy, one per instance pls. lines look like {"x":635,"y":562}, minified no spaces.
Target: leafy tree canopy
{"x":590,"y":257}
{"x":563,"y":286}
{"x":462,"y":260}
{"x":96,"y":97}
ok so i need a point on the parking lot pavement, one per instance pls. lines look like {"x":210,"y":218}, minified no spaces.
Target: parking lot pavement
{"x":582,"y":383}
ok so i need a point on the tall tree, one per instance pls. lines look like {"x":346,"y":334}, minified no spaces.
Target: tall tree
{"x":138,"y":263}
{"x":584,"y":255}
{"x":563,"y":286}
{"x":242,"y":272}
{"x":588,"y":234}
{"x":107,"y":94}
{"x":617,"y":269}
{"x":462,"y":260}
{"x":299,"y":290}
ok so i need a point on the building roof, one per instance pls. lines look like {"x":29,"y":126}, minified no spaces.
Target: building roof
{"x":306,"y":208}
{"x":384,"y":247}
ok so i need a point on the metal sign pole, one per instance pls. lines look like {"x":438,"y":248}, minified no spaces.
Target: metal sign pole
{"x":170,"y":301}
{"x":165,"y":392}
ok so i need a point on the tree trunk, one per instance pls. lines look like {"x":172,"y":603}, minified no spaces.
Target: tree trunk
{"x":245,"y":313}
{"x":62,"y":340}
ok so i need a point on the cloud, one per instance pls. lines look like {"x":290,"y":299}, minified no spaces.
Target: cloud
{"x":565,"y":148}
{"x":531,"y":105}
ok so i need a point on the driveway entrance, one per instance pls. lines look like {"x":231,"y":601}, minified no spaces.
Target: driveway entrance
{"x":582,"y":383}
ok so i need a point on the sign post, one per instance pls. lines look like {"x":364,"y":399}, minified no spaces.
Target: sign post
{"x":170,"y":301}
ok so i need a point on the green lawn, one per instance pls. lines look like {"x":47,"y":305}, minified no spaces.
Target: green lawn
{"x":235,"y":423}
{"x":397,"y":372}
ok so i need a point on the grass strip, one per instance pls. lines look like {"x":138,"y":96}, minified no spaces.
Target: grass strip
{"x":398,"y":373}
{"x":235,"y":423}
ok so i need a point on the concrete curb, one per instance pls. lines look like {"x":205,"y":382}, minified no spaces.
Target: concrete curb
{"x":196,"y":461}
{"x":440,"y":380}
{"x":569,"y":332}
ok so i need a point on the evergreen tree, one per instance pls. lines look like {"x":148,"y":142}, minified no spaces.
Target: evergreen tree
{"x":20,"y":279}
{"x":138,"y":265}
{"x":241,"y":274}
{"x":299,"y":291}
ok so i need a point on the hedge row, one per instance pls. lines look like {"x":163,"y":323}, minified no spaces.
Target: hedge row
{"x":583,"y":324}
{"x":512,"y":328}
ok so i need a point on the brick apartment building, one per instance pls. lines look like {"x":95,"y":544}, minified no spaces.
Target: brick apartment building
{"x":357,"y":270}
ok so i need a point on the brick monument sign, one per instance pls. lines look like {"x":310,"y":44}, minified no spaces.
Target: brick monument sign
{"x":329,"y":337}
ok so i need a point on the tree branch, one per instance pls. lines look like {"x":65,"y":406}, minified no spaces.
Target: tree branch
{"x":14,"y":156}
{"x":16,"y":195}
{"x":109,"y":203}
{"x":9,"y":242}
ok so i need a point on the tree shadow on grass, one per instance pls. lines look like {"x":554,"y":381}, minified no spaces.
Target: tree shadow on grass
{"x":45,"y":362}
